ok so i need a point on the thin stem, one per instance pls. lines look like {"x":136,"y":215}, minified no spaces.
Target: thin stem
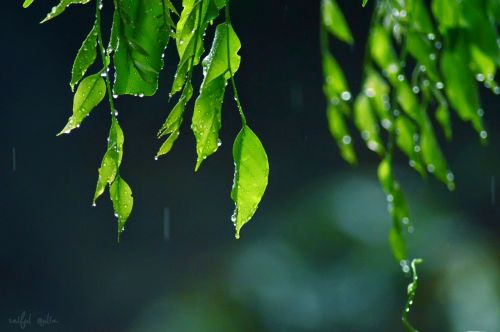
{"x":104,"y":57}
{"x":233,"y":83}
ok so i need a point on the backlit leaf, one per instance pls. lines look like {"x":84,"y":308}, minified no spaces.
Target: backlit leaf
{"x":89,"y":94}
{"x":121,"y":196}
{"x":334,"y":21}
{"x":85,"y":57}
{"x":250,"y":176}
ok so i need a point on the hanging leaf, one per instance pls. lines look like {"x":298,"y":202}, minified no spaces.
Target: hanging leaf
{"x":207,"y":110}
{"x":339,"y":130}
{"x":461,"y":87}
{"x":59,"y":9}
{"x":433,"y":157}
{"x":27,"y":3}
{"x":334,"y":21}
{"x":121,"y":196}
{"x":335,"y":82}
{"x":173,"y":122}
{"x":407,"y":140}
{"x":367,"y":124}
{"x":89,"y":94}
{"x":143,"y":36}
{"x":112,"y":159}
{"x":191,"y":27}
{"x":250,"y":176}
{"x":85,"y":57}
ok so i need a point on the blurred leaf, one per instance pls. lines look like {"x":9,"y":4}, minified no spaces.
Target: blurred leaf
{"x":383,"y":53}
{"x":334,"y":21}
{"x":424,"y":52}
{"x":335,"y":82}
{"x":27,"y":3}
{"x":338,"y":129}
{"x":461,"y":87}
{"x":407,"y":141}
{"x":207,"y":110}
{"x":377,"y":89}
{"x":432,"y":155}
{"x":367,"y":124}
{"x":419,"y":17}
{"x":85,"y":57}
{"x":89,"y":94}
{"x":250,"y":176}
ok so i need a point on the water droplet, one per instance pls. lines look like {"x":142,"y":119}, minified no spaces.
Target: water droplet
{"x":439,"y":85}
{"x":346,"y":139}
{"x":483,"y":134}
{"x":346,"y":96}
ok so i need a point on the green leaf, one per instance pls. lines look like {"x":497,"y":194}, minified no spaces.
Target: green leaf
{"x":377,"y":90}
{"x":195,"y":16}
{"x":250,"y":176}
{"x":335,"y":82}
{"x":365,"y":2}
{"x":121,"y":196}
{"x":173,"y":122}
{"x":407,"y":140}
{"x":85,"y":57}
{"x":334,"y":21}
{"x":112,"y":159}
{"x":383,"y":53}
{"x":89,"y":94}
{"x":206,"y":121}
{"x":421,"y":48}
{"x":398,"y":245}
{"x":367,"y":124}
{"x":60,"y":8}
{"x":419,"y":17}
{"x":461,"y":87}
{"x":339,"y":130}
{"x":447,"y":13}
{"x":143,"y":36}
{"x":27,"y":3}
{"x":433,"y":157}
{"x":443,"y":117}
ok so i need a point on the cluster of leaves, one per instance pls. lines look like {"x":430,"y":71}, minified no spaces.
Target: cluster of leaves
{"x":422,"y":60}
{"x":134,"y":57}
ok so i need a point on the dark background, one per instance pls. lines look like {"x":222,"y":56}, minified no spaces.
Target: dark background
{"x":314,"y":257}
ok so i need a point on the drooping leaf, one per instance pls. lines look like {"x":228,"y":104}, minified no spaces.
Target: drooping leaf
{"x":407,"y":139}
{"x":89,"y":94}
{"x":340,"y":131}
{"x":377,"y":90}
{"x":206,"y":121}
{"x":61,"y":7}
{"x":250,"y":176}
{"x":334,"y":21}
{"x":190,"y":32}
{"x":335,"y":82}
{"x":85,"y":57}
{"x":173,"y":122}
{"x":27,"y":3}
{"x":367,"y":124}
{"x":432,"y":155}
{"x":461,"y":87}
{"x":121,"y":196}
{"x":112,"y":159}
{"x":143,"y":36}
